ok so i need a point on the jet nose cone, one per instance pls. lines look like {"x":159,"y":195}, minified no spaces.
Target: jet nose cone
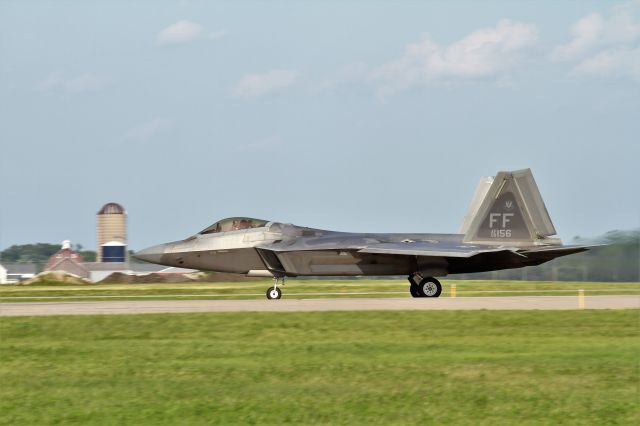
{"x":151,"y":254}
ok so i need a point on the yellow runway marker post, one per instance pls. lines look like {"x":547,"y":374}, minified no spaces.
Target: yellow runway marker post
{"x":453,"y":290}
{"x":581,"y":299}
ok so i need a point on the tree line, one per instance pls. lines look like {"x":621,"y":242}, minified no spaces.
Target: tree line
{"x":40,"y":253}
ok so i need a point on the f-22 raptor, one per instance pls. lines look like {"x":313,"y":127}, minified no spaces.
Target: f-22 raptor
{"x":507,"y":226}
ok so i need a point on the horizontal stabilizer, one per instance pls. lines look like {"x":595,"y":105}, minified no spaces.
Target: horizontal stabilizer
{"x":563,"y":250}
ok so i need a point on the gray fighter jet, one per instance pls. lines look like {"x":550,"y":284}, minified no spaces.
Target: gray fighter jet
{"x":507,"y":226}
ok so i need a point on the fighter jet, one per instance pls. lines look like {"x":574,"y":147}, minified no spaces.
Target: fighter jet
{"x":507,"y":226}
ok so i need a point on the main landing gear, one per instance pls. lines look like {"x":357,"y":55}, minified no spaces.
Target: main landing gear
{"x":424,"y":287}
{"x":274,"y":292}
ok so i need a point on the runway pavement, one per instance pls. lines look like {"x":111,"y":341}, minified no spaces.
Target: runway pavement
{"x":293,"y":305}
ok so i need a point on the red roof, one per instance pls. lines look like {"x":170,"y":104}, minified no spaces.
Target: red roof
{"x":61,"y":255}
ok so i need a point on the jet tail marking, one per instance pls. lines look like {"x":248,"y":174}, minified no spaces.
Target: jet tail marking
{"x":511,"y":212}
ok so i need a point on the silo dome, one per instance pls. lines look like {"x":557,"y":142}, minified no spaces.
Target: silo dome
{"x":112,"y":208}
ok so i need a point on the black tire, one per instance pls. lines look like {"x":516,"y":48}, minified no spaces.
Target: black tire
{"x":430,"y":287}
{"x":415,"y":291}
{"x":274,"y":293}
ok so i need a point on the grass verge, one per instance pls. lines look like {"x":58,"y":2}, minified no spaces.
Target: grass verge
{"x":578,"y":367}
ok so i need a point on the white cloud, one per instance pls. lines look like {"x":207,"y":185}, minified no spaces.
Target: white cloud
{"x":255,"y":85}
{"x":181,"y":32}
{"x":147,"y":130}
{"x":88,"y":82}
{"x":623,"y":61}
{"x":601,"y":46}
{"x":586,"y":33}
{"x":485,"y":53}
{"x":185,"y":31}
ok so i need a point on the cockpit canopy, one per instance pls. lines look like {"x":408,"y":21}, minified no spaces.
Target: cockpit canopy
{"x":234,"y":224}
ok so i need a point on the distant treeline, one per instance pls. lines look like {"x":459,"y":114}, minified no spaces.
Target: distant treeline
{"x":40,"y":252}
{"x":617,"y":260}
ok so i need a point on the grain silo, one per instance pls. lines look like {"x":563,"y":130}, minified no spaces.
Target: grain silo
{"x":112,"y":233}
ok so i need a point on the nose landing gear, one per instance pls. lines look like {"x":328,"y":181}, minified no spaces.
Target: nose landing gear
{"x":424,"y":287}
{"x":274,"y":292}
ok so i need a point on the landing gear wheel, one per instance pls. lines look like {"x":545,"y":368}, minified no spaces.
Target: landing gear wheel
{"x":430,"y":287}
{"x":274,"y":293}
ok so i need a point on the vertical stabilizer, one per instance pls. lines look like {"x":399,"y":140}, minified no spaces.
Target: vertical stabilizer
{"x":476,"y":201}
{"x":511,"y":212}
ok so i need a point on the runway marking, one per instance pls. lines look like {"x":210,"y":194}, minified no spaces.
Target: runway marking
{"x":297,"y":305}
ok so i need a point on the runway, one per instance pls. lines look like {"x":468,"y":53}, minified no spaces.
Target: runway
{"x":308,"y":305}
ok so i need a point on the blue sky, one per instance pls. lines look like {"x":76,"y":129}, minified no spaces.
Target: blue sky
{"x":363,"y":116}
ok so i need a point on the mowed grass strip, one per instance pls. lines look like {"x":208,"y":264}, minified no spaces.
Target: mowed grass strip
{"x":484,"y":367}
{"x":297,"y":289}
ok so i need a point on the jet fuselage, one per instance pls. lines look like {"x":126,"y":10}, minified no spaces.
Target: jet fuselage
{"x":302,"y":251}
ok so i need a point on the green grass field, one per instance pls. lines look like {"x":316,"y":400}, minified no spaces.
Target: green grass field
{"x":484,"y":367}
{"x":297,"y":289}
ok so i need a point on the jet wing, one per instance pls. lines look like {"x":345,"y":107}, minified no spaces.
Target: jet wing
{"x":421,"y":248}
